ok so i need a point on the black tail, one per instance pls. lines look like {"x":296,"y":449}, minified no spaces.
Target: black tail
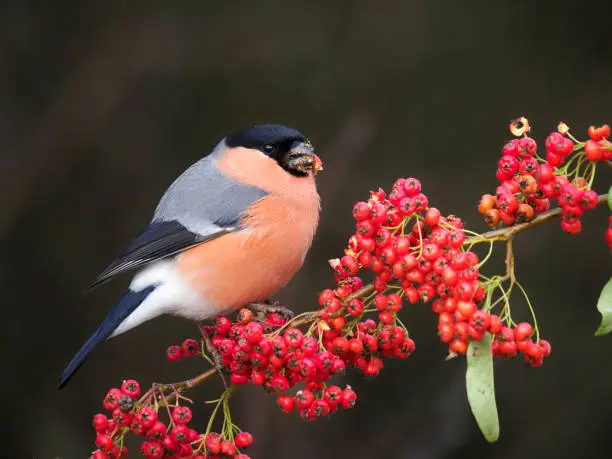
{"x":127,"y":304}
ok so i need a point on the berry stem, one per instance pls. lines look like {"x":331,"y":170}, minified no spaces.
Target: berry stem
{"x":535,"y":321}
{"x":222,"y":401}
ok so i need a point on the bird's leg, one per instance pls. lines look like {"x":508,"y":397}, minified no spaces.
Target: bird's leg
{"x":214,"y":356}
{"x":268,"y":306}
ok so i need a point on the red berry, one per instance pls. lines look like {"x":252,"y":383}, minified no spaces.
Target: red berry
{"x":528,"y":166}
{"x":458,"y":346}
{"x":523,"y":331}
{"x":446,"y":332}
{"x":307,"y":367}
{"x":367,"y":229}
{"x":388,"y":256}
{"x":189,"y":348}
{"x":243,"y":439}
{"x":152,"y":450}
{"x":293,"y":337}
{"x":496,"y":324}
{"x":222,"y":325}
{"x":104,"y":442}
{"x":508,"y":348}
{"x":286,"y":403}
{"x":593,"y":150}
{"x":348,"y":398}
{"x":432,"y":216}
{"x":136,"y":426}
{"x":527,"y":146}
{"x":326,"y":296}
{"x":569,"y":195}
{"x":508,"y":165}
{"x":571,"y":227}
{"x":361,"y":211}
{"x":412,"y":186}
{"x":179,"y":433}
{"x":386,"y":317}
{"x":181,"y":415}
{"x":589,"y":200}
{"x":304,"y":398}
{"x":228,"y":448}
{"x":421,"y":202}
{"x":553,"y":159}
{"x":157,"y":431}
{"x":170,"y":444}
{"x":466,"y":308}
{"x":554,"y":142}
{"x":213,"y":443}
{"x":279,"y":383}
{"x":480,"y":320}
{"x":100,"y":422}
{"x":131,"y":387}
{"x":319,"y":408}
{"x":355,"y":307}
{"x":544,"y":173}
{"x":546,"y":348}
{"x":185,"y":450}
{"x":337,"y":323}
{"x":533,"y":350}
{"x":378,"y":212}
{"x":111,"y":399}
{"x":147,"y":417}
{"x":511,"y":148}
{"x":355,"y":345}
{"x":253,"y":332}
{"x":599,"y":133}
{"x":173,"y":353}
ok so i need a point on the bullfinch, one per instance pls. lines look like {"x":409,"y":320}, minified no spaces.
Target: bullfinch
{"x":231,"y":230}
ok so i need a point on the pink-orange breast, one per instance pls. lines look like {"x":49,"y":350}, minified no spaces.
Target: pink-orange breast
{"x":252,"y":264}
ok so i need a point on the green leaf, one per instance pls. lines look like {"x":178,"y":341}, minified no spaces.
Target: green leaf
{"x":604,"y":306}
{"x":610,"y":198}
{"x":480,"y":386}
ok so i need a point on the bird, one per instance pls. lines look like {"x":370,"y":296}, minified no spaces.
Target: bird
{"x":231,"y":230}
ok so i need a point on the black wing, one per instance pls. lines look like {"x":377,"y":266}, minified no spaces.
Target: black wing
{"x":159,"y":240}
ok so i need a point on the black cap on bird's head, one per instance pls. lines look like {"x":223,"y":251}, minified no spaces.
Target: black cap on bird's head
{"x":287,"y":146}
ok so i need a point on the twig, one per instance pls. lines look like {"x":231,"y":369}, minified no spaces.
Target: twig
{"x":510,"y":260}
{"x":506,"y":233}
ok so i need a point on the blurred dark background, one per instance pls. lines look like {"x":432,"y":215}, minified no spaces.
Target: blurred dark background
{"x":103,"y":104}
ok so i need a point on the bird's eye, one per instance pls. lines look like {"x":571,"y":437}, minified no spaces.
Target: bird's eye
{"x":269,"y":148}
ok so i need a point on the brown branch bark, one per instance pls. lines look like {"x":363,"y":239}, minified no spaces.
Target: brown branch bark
{"x":505,"y":234}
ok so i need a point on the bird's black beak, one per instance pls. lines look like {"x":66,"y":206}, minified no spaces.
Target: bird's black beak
{"x":302,"y":158}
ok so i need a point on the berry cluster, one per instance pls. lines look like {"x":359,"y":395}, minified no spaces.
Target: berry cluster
{"x":399,"y":238}
{"x":174,"y":439}
{"x":529,"y":182}
{"x":279,"y":361}
{"x":413,"y":254}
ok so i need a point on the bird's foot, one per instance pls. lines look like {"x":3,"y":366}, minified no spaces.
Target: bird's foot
{"x":263,"y":309}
